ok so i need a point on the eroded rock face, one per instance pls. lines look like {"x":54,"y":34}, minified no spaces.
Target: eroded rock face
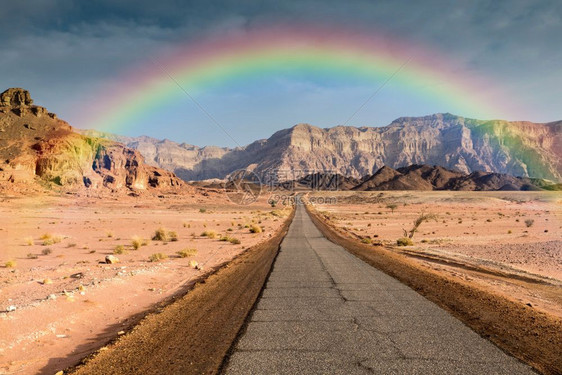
{"x":19,"y":102}
{"x":16,"y":97}
{"x":463,"y":145}
{"x":34,"y":144}
{"x":123,"y":167}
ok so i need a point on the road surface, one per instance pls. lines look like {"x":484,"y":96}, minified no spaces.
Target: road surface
{"x":324,"y":311}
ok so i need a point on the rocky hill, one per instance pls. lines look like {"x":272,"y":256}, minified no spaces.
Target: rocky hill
{"x":419,"y":177}
{"x":463,"y":145}
{"x":38,"y":148}
{"x":426,"y":177}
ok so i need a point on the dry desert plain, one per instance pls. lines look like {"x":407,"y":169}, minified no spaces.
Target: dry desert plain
{"x":67,"y":301}
{"x":506,"y":242}
{"x":60,"y":300}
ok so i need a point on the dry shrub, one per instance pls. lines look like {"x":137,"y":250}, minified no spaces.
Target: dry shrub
{"x":156,"y":257}
{"x":255,"y":229}
{"x":404,"y":241}
{"x":187,"y":253}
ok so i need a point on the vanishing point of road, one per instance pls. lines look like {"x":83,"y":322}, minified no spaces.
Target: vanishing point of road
{"x":324,"y":311}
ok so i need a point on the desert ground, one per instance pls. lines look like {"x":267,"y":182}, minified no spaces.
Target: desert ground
{"x":506,"y":242}
{"x":60,"y":299}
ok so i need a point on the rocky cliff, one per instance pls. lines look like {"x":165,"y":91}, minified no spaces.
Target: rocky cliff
{"x":37,"y":147}
{"x":460,"y":144}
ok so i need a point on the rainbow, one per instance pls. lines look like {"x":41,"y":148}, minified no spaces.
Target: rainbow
{"x":339,"y":54}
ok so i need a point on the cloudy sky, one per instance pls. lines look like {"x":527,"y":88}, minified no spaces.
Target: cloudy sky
{"x":68,"y":53}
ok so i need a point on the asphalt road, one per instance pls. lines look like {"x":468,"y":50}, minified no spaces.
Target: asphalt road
{"x":324,"y":311}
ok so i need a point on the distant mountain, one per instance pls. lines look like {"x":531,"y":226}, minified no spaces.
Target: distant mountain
{"x":459,"y":144}
{"x":326,"y":181}
{"x":426,"y":177}
{"x":38,"y":149}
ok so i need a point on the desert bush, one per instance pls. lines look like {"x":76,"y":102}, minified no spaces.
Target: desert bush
{"x":160,"y":235}
{"x":392,"y":206}
{"x":136,"y":242}
{"x":420,"y":219}
{"x":50,"y":239}
{"x":404,"y":241}
{"x":72,"y":244}
{"x":28,"y":241}
{"x":366,"y":240}
{"x":109,"y":234}
{"x":47,"y":242}
{"x":32,"y":256}
{"x":46,"y":251}
{"x":234,"y":241}
{"x":10,"y":264}
{"x":157,"y":257}
{"x":209,"y":233}
{"x":255,"y":229}
{"x":529,"y":222}
{"x":186,"y":253}
{"x":119,"y":249}
{"x":202,"y":210}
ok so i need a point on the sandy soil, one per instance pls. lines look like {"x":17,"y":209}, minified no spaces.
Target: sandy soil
{"x":67,"y":301}
{"x":478,"y":236}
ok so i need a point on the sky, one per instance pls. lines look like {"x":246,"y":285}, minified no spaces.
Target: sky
{"x":72,"y":56}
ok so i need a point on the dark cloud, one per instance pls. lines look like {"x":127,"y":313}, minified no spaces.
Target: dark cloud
{"x":61,"y":48}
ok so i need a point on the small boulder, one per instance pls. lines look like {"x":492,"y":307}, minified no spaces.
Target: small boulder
{"x":110,"y":259}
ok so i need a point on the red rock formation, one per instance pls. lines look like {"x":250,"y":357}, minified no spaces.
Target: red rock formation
{"x":35,"y":148}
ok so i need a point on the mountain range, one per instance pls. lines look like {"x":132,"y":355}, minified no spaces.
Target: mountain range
{"x":460,"y":144}
{"x":435,"y":152}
